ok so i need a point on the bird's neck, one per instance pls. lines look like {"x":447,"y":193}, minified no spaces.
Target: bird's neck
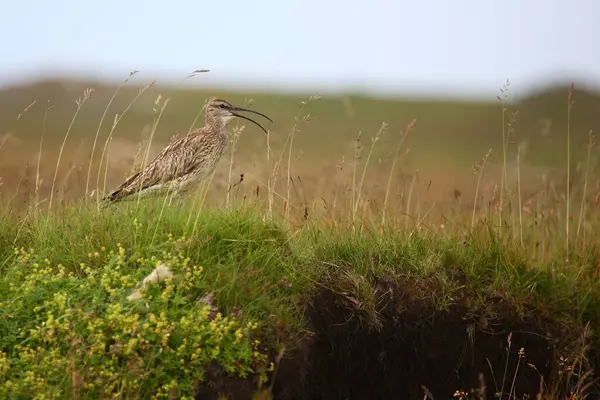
{"x":215,"y":125}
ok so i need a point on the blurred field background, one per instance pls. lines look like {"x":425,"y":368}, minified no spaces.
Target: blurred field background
{"x":434,"y":169}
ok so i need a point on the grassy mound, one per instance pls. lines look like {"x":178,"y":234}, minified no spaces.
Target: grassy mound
{"x":309,"y":312}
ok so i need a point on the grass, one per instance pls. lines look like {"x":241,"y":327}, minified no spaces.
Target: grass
{"x":66,"y":278}
{"x":350,"y":286}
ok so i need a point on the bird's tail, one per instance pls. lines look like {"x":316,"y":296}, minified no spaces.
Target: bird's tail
{"x":120,"y":192}
{"x":114,"y":197}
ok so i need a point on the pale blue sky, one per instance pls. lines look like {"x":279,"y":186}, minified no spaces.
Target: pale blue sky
{"x":381,"y":45}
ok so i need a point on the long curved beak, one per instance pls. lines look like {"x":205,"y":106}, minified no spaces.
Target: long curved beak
{"x":232,"y":109}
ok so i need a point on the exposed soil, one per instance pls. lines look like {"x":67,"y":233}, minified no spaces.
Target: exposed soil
{"x":409,"y":347}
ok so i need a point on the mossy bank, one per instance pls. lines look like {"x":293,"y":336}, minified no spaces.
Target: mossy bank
{"x":256,"y":307}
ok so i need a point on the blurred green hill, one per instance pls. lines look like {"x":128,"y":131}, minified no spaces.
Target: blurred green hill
{"x":445,"y":129}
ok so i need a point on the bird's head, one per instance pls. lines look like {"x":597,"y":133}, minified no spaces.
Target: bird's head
{"x":223,"y":111}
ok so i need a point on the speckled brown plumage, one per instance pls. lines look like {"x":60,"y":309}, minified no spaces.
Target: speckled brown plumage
{"x":185,"y":161}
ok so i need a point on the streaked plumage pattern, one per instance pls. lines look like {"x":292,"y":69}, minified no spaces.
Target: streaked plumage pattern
{"x":185,"y":161}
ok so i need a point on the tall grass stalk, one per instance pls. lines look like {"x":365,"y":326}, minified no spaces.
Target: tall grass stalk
{"x":590,"y":145}
{"x":357,"y":150}
{"x":161,"y":108}
{"x":269,"y":178}
{"x":410,"y":194}
{"x":519,"y":195}
{"x":568,"y":216}
{"x":87,"y":94}
{"x":204,"y":188}
{"x":26,"y":109}
{"x":275,"y":171}
{"x":478,"y":169}
{"x":511,"y":393}
{"x":237,"y":131}
{"x":340,"y":166}
{"x":294,"y":130}
{"x":509,"y":344}
{"x":198,"y":203}
{"x":4,"y":139}
{"x":403,"y":136}
{"x":87,"y":180}
{"x":374,"y":141}
{"x":105,"y":152}
{"x":502,"y":98}
{"x":39,"y":161}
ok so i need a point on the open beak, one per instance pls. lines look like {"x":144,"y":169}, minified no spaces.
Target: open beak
{"x":232,"y":109}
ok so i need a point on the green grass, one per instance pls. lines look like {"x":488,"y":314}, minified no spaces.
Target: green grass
{"x":67,"y":328}
{"x":64,"y":302}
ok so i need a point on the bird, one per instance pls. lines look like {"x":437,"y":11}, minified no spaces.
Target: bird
{"x":185,"y":161}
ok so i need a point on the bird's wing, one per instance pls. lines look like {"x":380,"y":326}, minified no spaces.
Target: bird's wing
{"x":175,"y":160}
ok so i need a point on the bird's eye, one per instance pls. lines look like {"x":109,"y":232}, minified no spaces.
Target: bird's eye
{"x":221,"y":105}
